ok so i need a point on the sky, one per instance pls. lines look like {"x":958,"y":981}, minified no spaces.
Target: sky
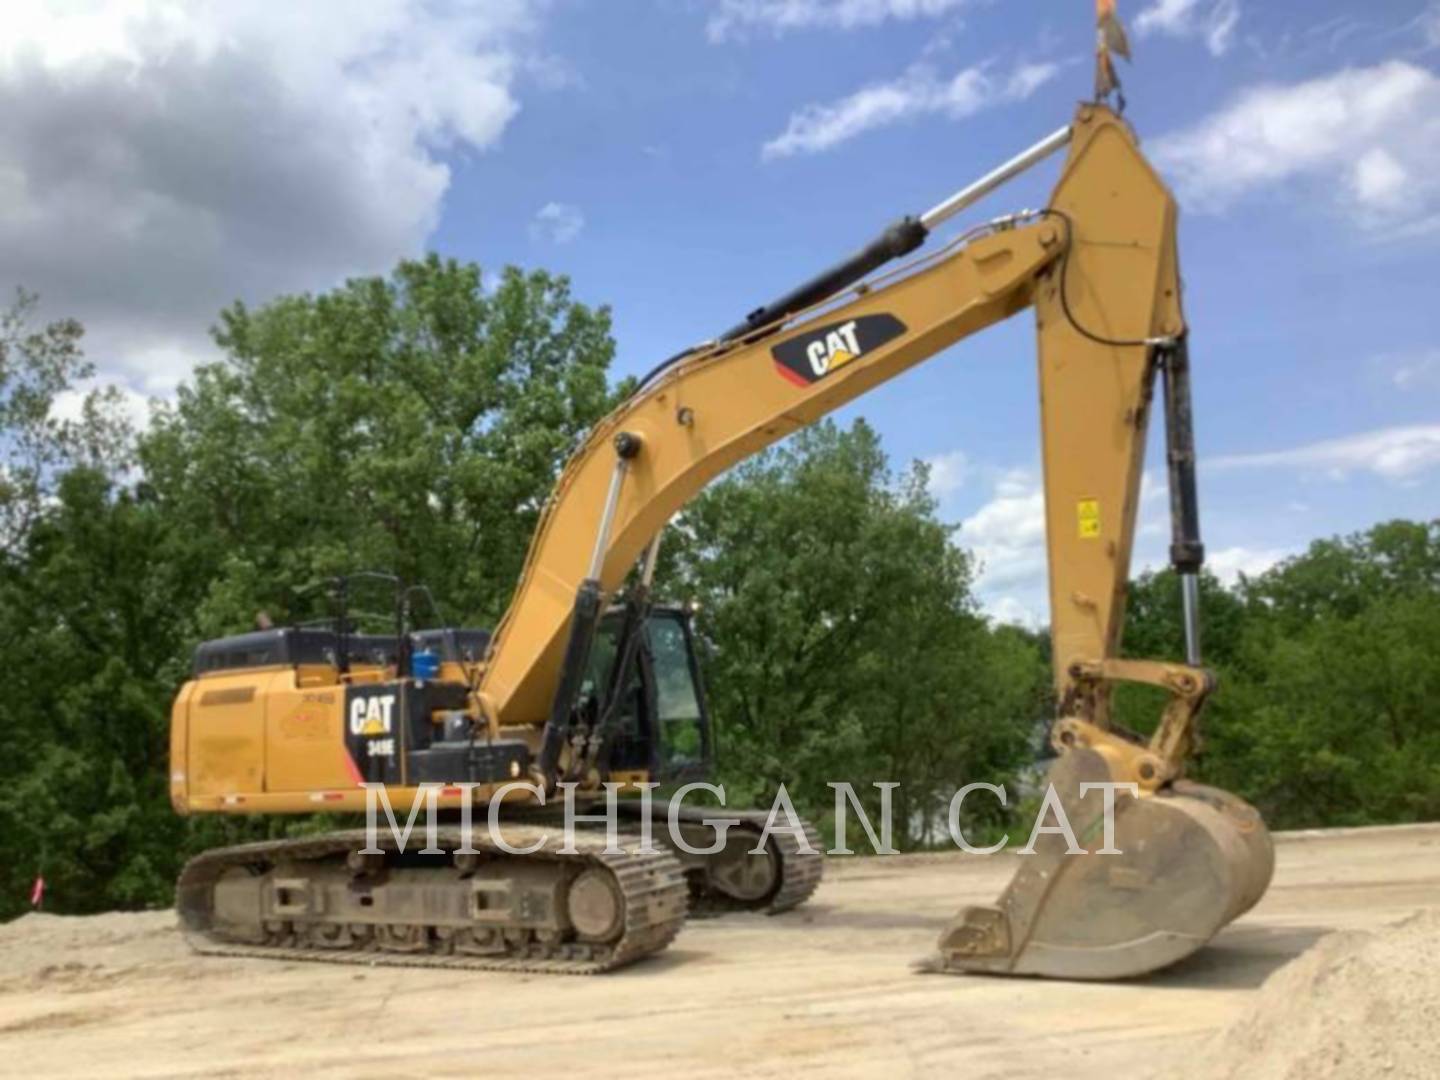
{"x":684,"y":161}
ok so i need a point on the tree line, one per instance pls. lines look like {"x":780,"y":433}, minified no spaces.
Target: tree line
{"x":415,"y":423}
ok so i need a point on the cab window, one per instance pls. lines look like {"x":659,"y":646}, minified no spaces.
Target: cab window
{"x":677,"y":702}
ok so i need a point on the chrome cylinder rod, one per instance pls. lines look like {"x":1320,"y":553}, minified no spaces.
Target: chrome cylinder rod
{"x":652,"y":556}
{"x":1190,"y":612}
{"x":973,"y":193}
{"x":899,"y":239}
{"x":607,"y":517}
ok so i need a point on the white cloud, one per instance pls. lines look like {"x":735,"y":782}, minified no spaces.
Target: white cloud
{"x":1429,"y":25}
{"x":159,"y":160}
{"x":1166,"y":17}
{"x":1153,"y":527}
{"x":1007,"y":538}
{"x":1229,"y":563}
{"x":1212,"y":20}
{"x":557,"y":222}
{"x":920,"y":91}
{"x":1152,"y":486}
{"x":1365,"y":139}
{"x":133,"y":407}
{"x":1008,"y":533}
{"x":1012,"y":610}
{"x":1412,"y":370}
{"x":736,"y":18}
{"x":1398,"y":454}
{"x":1379,"y":180}
{"x":948,"y":473}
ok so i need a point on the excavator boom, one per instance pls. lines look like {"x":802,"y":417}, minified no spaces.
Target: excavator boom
{"x":717,"y":408}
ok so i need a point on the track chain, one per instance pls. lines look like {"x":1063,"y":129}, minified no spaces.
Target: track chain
{"x":800,"y":872}
{"x":652,"y":887}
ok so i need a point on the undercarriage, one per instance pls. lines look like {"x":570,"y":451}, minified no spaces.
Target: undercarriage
{"x":550,"y":909}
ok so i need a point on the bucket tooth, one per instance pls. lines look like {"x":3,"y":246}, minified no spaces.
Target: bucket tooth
{"x":1191,"y":859}
{"x":980,"y":932}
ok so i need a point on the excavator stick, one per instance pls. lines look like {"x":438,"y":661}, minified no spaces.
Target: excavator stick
{"x":1178,"y":860}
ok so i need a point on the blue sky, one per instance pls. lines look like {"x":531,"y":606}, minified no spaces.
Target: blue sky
{"x":683,"y":161}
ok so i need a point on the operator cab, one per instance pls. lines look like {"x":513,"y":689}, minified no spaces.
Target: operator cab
{"x":662,"y":726}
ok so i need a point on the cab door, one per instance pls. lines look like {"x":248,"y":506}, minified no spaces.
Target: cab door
{"x":681,"y":744}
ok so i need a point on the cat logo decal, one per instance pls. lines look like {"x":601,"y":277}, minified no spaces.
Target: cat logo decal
{"x":813,"y":354}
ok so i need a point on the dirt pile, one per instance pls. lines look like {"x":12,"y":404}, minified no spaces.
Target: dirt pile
{"x":1359,"y":1005}
{"x":43,"y":949}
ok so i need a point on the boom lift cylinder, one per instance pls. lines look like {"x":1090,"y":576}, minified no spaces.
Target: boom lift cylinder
{"x":589,"y":605}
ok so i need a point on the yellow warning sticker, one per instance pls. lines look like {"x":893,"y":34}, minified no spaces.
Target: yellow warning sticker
{"x":1087,"y":515}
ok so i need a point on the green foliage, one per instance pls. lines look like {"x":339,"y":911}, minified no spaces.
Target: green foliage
{"x":92,"y":659}
{"x":842,"y":638}
{"x":413,"y":423}
{"x":1328,"y":671}
{"x":38,"y":368}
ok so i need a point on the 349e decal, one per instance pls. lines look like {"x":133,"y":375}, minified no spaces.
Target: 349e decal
{"x":372,"y":720}
{"x":811,"y":356}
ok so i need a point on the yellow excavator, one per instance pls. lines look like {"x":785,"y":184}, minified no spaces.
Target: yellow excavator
{"x":586,"y":681}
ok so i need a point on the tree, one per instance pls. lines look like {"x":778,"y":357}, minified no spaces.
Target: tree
{"x":1325,"y":714}
{"x":90,"y":652}
{"x":1342,"y":576}
{"x":413,"y":423}
{"x":60,"y":445}
{"x":1326,"y":668}
{"x":38,"y":368}
{"x":843,"y":640}
{"x":1338,"y":727}
{"x":417,"y":423}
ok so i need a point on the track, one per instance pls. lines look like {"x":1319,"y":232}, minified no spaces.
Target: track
{"x":652,"y":888}
{"x":800,"y":871}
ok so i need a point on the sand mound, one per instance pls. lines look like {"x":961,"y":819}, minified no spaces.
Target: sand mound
{"x":42,"y":948}
{"x":1358,"y":1005}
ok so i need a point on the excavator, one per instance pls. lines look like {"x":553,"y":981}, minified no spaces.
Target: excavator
{"x":587,"y":681}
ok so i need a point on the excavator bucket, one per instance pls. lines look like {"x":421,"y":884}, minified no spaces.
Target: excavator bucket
{"x":1191,"y":859}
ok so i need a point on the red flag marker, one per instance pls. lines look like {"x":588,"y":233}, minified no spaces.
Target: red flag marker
{"x":37,"y":892}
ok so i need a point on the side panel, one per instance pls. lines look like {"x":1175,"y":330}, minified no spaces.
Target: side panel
{"x":304,"y":735}
{"x":179,"y":748}
{"x":225,"y":751}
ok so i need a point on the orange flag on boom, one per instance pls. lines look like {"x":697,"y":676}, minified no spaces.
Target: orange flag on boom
{"x":1109,"y":39}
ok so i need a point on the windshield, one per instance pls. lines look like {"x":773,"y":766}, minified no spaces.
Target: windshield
{"x":679,"y":725}
{"x":677,"y":704}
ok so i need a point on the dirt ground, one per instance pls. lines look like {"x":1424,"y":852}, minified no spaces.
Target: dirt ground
{"x":825,"y":991}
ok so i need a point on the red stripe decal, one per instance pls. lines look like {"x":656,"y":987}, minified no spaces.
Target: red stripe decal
{"x":791,"y":376}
